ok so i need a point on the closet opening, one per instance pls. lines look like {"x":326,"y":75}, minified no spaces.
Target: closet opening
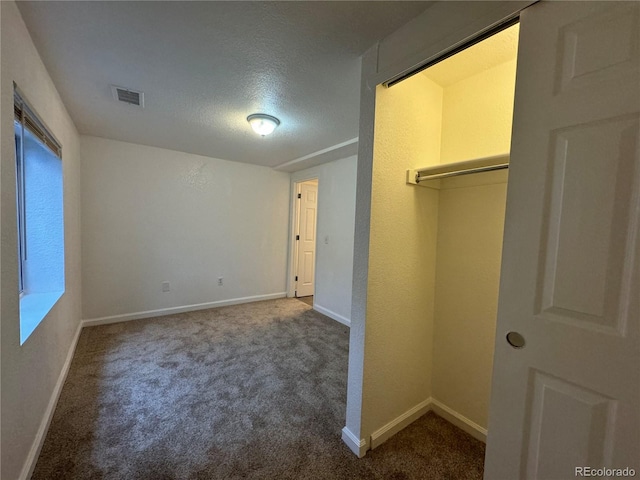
{"x":451,"y":123}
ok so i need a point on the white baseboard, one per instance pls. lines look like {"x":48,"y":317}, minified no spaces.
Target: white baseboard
{"x":331,"y":314}
{"x":92,"y":322}
{"x":394,"y":426}
{"x":357,"y":446}
{"x":36,"y":446}
{"x":430,"y":404}
{"x":460,"y":421}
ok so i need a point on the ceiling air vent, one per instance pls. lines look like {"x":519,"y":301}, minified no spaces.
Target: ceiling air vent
{"x":128,"y":96}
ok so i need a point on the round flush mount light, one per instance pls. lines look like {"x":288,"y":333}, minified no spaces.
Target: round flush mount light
{"x":263,"y":124}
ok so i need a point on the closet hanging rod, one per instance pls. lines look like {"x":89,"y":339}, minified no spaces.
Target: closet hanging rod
{"x":436,"y":176}
{"x":476,"y":165}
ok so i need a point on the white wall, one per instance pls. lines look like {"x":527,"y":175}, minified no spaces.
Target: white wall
{"x":476,"y":123}
{"x":470,"y":228}
{"x":402,"y":251}
{"x":31,"y":372}
{"x":336,"y":218}
{"x":152,"y":215}
{"x":477,"y":113}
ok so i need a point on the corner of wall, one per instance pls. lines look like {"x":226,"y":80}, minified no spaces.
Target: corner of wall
{"x":359,"y":446}
{"x":361,"y":243}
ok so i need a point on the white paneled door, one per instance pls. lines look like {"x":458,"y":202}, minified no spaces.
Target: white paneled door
{"x":306,"y":239}
{"x":569,"y":399}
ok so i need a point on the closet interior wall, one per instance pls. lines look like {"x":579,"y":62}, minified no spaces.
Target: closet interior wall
{"x":402,"y":252}
{"x":435,"y":253}
{"x":476,"y":123}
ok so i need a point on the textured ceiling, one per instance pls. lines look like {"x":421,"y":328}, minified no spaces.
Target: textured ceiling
{"x":491,"y":52}
{"x":205,"y":66}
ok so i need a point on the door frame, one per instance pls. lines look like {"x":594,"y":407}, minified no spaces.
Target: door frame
{"x":294,"y":217}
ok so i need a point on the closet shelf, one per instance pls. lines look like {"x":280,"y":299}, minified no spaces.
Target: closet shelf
{"x":476,"y":165}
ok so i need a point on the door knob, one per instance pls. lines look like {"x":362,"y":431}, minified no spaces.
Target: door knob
{"x":515,"y":339}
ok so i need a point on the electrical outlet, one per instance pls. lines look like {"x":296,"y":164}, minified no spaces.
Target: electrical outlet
{"x":166,"y":287}
{"x":219,"y":281}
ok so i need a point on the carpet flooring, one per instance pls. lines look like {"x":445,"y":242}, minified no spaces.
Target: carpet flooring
{"x":254,"y":391}
{"x":308,"y":300}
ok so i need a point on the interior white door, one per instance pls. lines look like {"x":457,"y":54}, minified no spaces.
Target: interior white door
{"x":570,"y":286}
{"x":307,"y":239}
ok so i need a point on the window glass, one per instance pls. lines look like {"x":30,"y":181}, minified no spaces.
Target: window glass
{"x":40,"y":219}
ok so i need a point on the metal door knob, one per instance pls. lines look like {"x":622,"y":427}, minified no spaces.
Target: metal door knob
{"x":515,"y":339}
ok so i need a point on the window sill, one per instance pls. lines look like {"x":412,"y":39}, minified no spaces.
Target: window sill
{"x":33,"y":308}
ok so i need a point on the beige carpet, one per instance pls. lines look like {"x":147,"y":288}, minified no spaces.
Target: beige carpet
{"x":254,"y":391}
{"x":308,"y":300}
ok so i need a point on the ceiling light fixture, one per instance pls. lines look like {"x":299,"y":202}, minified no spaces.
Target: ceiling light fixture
{"x":263,"y":124}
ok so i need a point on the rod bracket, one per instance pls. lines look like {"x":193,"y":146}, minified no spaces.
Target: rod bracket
{"x":413,"y":177}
